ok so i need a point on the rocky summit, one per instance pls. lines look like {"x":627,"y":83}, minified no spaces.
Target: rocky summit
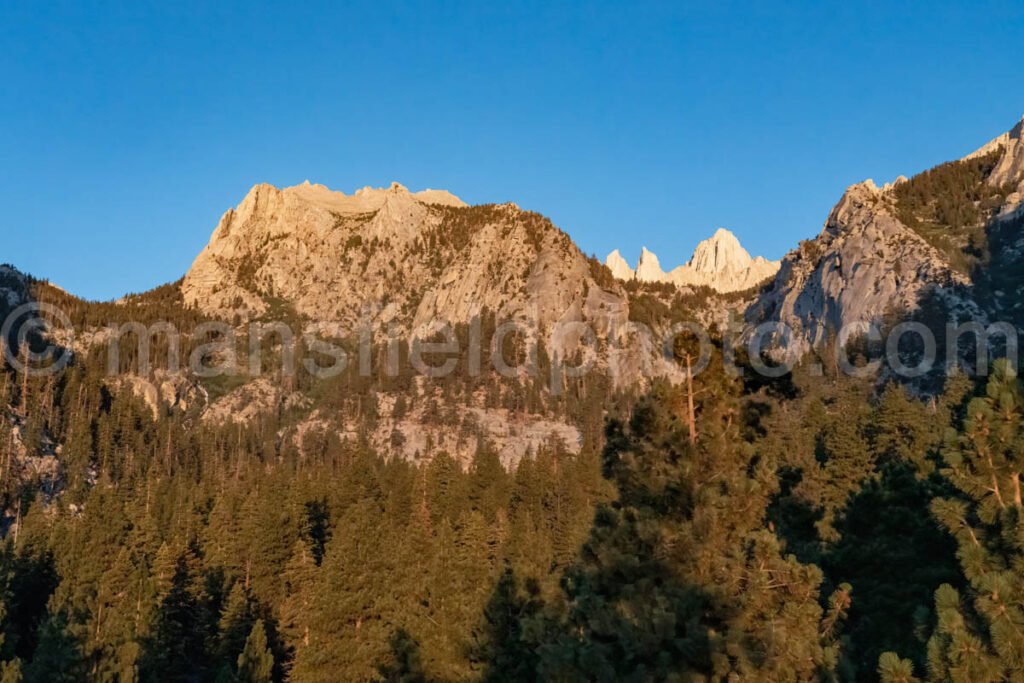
{"x":719,"y":262}
{"x":393,"y":256}
{"x":405,"y":261}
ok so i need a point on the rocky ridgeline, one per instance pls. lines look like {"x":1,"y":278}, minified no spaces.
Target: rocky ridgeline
{"x":868,"y":263}
{"x":398,"y":258}
{"x":402,"y":260}
{"x":1009,"y":169}
{"x":719,"y":262}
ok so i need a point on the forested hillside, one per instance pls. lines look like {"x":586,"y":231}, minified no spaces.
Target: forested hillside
{"x":183,"y":500}
{"x":809,"y":528}
{"x":310,"y":370}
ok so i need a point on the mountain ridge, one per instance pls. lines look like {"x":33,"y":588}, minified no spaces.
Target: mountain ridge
{"x":910,"y":244}
{"x":718,"y":262}
{"x":400,"y":258}
{"x":407,"y":255}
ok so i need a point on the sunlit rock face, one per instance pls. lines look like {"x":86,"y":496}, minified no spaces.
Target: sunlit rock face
{"x":868,"y":263}
{"x":719,"y":262}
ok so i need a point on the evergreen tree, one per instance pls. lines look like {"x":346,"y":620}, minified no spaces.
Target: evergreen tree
{"x":403,"y":664}
{"x":58,"y":656}
{"x":177,"y":648}
{"x":299,"y":577}
{"x":892,"y":669}
{"x":10,"y":672}
{"x":895,"y":556}
{"x":501,"y":648}
{"x":980,"y":635}
{"x":681,"y":576}
{"x":256,"y":662}
{"x":236,"y":625}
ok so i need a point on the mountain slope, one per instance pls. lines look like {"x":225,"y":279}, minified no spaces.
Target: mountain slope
{"x":13,"y":288}
{"x":917,"y":242}
{"x":392,"y":256}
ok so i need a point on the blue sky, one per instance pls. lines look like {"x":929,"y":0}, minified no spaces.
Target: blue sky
{"x":126,"y":129}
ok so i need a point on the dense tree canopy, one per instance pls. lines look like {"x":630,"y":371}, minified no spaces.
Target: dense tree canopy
{"x":726,"y":528}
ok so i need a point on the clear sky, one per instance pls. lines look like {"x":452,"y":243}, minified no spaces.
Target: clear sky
{"x":126,"y":129}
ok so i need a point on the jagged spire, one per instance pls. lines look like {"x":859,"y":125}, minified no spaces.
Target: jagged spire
{"x":719,"y":262}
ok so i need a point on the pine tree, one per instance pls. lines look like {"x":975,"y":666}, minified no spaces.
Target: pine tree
{"x":10,"y":671}
{"x":176,"y":650}
{"x":256,"y":662}
{"x":352,"y":598}
{"x":980,"y":636}
{"x":299,"y":578}
{"x":501,"y":649}
{"x":403,"y":664}
{"x":487,"y":482}
{"x":58,"y":656}
{"x":112,"y":629}
{"x":681,"y":576}
{"x":892,"y":669}
{"x":236,"y":624}
{"x":895,"y":556}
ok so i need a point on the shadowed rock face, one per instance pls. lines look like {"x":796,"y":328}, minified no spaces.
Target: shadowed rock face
{"x":719,"y":262}
{"x":13,"y":288}
{"x":866,"y":263}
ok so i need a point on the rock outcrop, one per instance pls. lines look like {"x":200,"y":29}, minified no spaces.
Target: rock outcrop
{"x":513,"y":436}
{"x":619,"y":267}
{"x":13,"y":288}
{"x":1009,"y":169}
{"x":719,"y":262}
{"x":867,"y":263}
{"x":305,"y":245}
{"x":249,"y":401}
{"x":391,"y":257}
{"x":648,"y":267}
{"x":163,"y":391}
{"x":863,"y":265}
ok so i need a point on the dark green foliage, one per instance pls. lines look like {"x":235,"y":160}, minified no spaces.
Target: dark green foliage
{"x":503,"y":647}
{"x":681,"y":577}
{"x":859,"y":477}
{"x":602,"y":275}
{"x":27,"y":579}
{"x":892,"y":669}
{"x":177,"y":649}
{"x":949,"y":194}
{"x":403,"y":665}
{"x":660,"y":304}
{"x":58,"y":656}
{"x":948,"y":206}
{"x":980,"y":634}
{"x":256,"y":662}
{"x":648,"y":309}
{"x":895,"y":556}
